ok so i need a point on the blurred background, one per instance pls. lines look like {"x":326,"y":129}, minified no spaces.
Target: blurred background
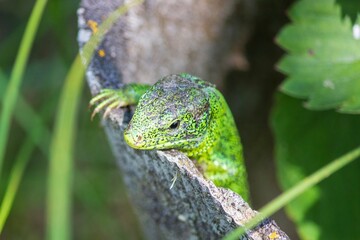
{"x":101,"y":209}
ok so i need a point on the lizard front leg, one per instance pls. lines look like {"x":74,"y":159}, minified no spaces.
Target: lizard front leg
{"x":110,"y":99}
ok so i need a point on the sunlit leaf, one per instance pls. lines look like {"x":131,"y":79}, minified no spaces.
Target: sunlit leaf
{"x":323,"y":60}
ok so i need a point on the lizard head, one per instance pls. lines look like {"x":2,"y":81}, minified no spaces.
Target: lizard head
{"x":173,"y":114}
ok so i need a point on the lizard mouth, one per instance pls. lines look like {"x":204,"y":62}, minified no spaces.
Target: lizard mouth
{"x":136,"y":140}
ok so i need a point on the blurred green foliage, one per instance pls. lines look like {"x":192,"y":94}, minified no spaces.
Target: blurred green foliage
{"x":100,"y":211}
{"x":305,"y":140}
{"x":322,"y":66}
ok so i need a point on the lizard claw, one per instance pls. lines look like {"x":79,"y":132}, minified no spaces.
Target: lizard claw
{"x":103,"y":94}
{"x":107,"y":99}
{"x":93,"y":114}
{"x":103,"y":104}
{"x":110,"y":107}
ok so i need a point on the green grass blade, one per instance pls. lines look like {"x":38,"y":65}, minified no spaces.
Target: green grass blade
{"x":12,"y":90}
{"x":61,"y":151}
{"x":14,"y":180}
{"x":295,"y":191}
{"x":28,"y":119}
{"x":26,"y":116}
{"x":37,"y":134}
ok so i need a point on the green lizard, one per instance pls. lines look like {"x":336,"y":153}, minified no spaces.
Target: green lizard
{"x":185,"y":113}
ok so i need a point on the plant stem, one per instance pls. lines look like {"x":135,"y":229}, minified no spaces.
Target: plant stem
{"x":12,"y":90}
{"x":14,"y":180}
{"x":62,"y":144}
{"x":295,"y":191}
{"x":61,"y":151}
{"x":38,"y":134}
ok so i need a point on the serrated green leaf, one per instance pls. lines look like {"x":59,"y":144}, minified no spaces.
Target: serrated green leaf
{"x":349,"y":8}
{"x":323,"y":60}
{"x":306,"y":141}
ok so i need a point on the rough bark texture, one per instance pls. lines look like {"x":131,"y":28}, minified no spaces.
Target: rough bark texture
{"x":150,"y":41}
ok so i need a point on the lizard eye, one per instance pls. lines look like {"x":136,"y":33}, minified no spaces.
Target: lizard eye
{"x":175,"y":124}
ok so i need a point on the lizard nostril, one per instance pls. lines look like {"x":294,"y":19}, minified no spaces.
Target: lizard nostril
{"x":133,"y":137}
{"x":138,"y":137}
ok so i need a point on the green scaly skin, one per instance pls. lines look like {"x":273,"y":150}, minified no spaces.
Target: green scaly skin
{"x":185,"y":113}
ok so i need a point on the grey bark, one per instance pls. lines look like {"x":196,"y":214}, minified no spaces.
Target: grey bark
{"x":152,"y":40}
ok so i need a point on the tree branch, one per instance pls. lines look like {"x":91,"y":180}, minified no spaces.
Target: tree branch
{"x":156,"y":39}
